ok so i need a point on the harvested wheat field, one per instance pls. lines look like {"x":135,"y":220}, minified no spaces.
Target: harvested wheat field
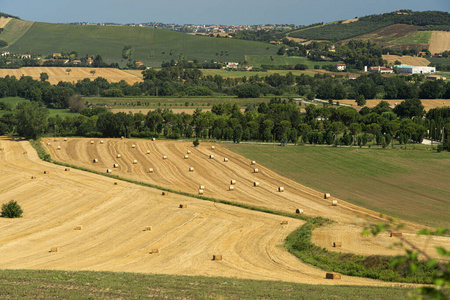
{"x":4,"y":21}
{"x":439,"y":42}
{"x":230,"y":179}
{"x":82,"y":221}
{"x":407,"y":60}
{"x":57,"y":74}
{"x":427,"y":103}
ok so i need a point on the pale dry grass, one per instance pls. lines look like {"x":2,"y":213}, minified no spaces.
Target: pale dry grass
{"x":407,"y":60}
{"x":4,"y":21}
{"x":439,"y":42}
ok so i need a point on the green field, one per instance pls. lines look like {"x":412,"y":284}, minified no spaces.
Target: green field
{"x":258,"y":60}
{"x":14,"y":30}
{"x":409,"y":184}
{"x":444,"y":61}
{"x":53,"y":112}
{"x":149,"y":45}
{"x":234,"y":74}
{"x":23,"y":284}
{"x":418,"y":37}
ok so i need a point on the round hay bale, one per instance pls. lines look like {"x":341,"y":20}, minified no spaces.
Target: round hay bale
{"x":164,"y":157}
{"x":54,"y":249}
{"x":255,"y":170}
{"x":92,"y":142}
{"x":46,"y":172}
{"x":95,"y":160}
{"x":66,"y":169}
{"x":213,"y":147}
{"x":333,"y":276}
{"x":164,"y":193}
{"x":284,"y":222}
{"x":118,"y":155}
{"x":225,"y":159}
{"x":122,"y":137}
{"x":135,"y":162}
{"x":200,"y":192}
{"x":326,"y":196}
{"x":33,"y":177}
{"x":153,"y":139}
{"x":337,"y":244}
{"x":253,"y":162}
{"x":55,"y":140}
{"x":57,"y":148}
{"x":150,"y":170}
{"x":148,"y":228}
{"x":334,"y":203}
{"x":154,"y":251}
{"x":231,"y":188}
{"x":191,"y":169}
{"x":256,"y":183}
{"x":186,"y":156}
{"x":217,"y":257}
{"x":183,"y":206}
{"x":232,"y":181}
{"x":101,"y":142}
{"x":108,"y":171}
{"x":133,"y":146}
{"x":116,"y":183}
{"x":281,"y":189}
{"x":211,"y":156}
{"x":299,"y":211}
{"x":116,"y":165}
{"x":79,"y":227}
{"x":65,"y":139}
{"x":48,"y":144}
{"x":188,"y":152}
{"x":201,"y":187}
{"x":148,"y":151}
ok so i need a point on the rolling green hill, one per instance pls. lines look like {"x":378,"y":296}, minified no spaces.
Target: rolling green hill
{"x":149,"y":45}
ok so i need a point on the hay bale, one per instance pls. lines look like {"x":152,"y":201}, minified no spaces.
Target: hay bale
{"x":201,"y":187}
{"x":108,"y":171}
{"x":150,"y":170}
{"x":154,"y":251}
{"x":25,"y":152}
{"x":122,"y":137}
{"x":153,"y":139}
{"x":95,"y":160}
{"x":256,"y":183}
{"x":79,"y":227}
{"x":92,"y":142}
{"x":164,"y":193}
{"x":66,"y":169}
{"x":57,"y":148}
{"x":281,"y":189}
{"x":48,"y":144}
{"x":213,"y":147}
{"x":46,"y":172}
{"x":284,"y":222}
{"x":326,"y":196}
{"x":396,"y":234}
{"x":200,"y":192}
{"x":253,"y":162}
{"x":134,"y":161}
{"x":217,"y":257}
{"x":255,"y":170}
{"x":225,"y":159}
{"x":232,"y":181}
{"x":334,"y":203}
{"x":54,"y":249}
{"x":337,"y":244}
{"x":333,"y":276}
{"x":55,"y":140}
{"x":188,"y":152}
{"x":101,"y":142}
{"x":164,"y":157}
{"x":118,"y":155}
{"x":148,"y":151}
{"x":183,"y":205}
{"x":116,"y":165}
{"x":191,"y":169}
{"x":116,"y":183}
{"x":148,"y":228}
{"x":133,"y":146}
{"x":231,"y":188}
{"x":299,"y":211}
{"x":65,"y":139}
{"x":211,"y":156}
{"x":186,"y":156}
{"x":33,"y":177}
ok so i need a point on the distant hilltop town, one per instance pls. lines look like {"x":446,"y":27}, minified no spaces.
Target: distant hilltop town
{"x":201,"y":29}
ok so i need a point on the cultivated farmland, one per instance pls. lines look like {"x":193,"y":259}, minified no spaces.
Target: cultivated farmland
{"x":439,"y":42}
{"x":82,"y":221}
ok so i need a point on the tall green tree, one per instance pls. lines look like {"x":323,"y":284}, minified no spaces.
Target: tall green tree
{"x":32,"y":119}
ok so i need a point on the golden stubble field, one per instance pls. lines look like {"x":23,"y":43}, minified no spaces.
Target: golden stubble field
{"x":407,"y":60}
{"x":113,"y":217}
{"x":427,"y":103}
{"x":439,"y":42}
{"x":57,"y":74}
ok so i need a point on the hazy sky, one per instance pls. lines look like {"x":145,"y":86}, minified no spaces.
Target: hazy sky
{"x":300,"y":12}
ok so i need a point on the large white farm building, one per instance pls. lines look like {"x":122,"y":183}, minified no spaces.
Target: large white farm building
{"x":406,"y":69}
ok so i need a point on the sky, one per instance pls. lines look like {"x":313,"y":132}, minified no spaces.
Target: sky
{"x":299,"y":12}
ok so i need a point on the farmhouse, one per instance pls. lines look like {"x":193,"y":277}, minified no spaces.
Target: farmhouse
{"x":381,"y":70}
{"x":232,"y":65}
{"x":407,"y":69}
{"x":5,"y":53}
{"x":341,"y":67}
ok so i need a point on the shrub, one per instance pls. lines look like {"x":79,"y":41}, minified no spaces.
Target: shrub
{"x":11,"y":210}
{"x":196,"y":143}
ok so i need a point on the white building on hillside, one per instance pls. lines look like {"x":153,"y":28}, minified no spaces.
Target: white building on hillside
{"x":406,"y":69}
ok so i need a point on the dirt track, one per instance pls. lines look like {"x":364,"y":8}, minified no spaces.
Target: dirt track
{"x":439,"y":42}
{"x":114,"y":216}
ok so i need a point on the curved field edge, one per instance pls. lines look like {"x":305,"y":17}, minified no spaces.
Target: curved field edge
{"x":33,"y":284}
{"x":408,"y":184}
{"x":298,"y":242}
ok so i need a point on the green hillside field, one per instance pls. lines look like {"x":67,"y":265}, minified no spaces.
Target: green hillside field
{"x":149,"y":45}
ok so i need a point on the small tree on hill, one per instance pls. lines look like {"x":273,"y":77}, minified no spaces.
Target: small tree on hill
{"x":43,"y":76}
{"x":196,"y":143}
{"x":11,"y":210}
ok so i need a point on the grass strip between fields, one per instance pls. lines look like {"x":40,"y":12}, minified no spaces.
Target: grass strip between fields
{"x":299,"y":242}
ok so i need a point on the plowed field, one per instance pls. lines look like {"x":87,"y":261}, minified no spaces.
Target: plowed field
{"x":57,"y":74}
{"x":113,"y":218}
